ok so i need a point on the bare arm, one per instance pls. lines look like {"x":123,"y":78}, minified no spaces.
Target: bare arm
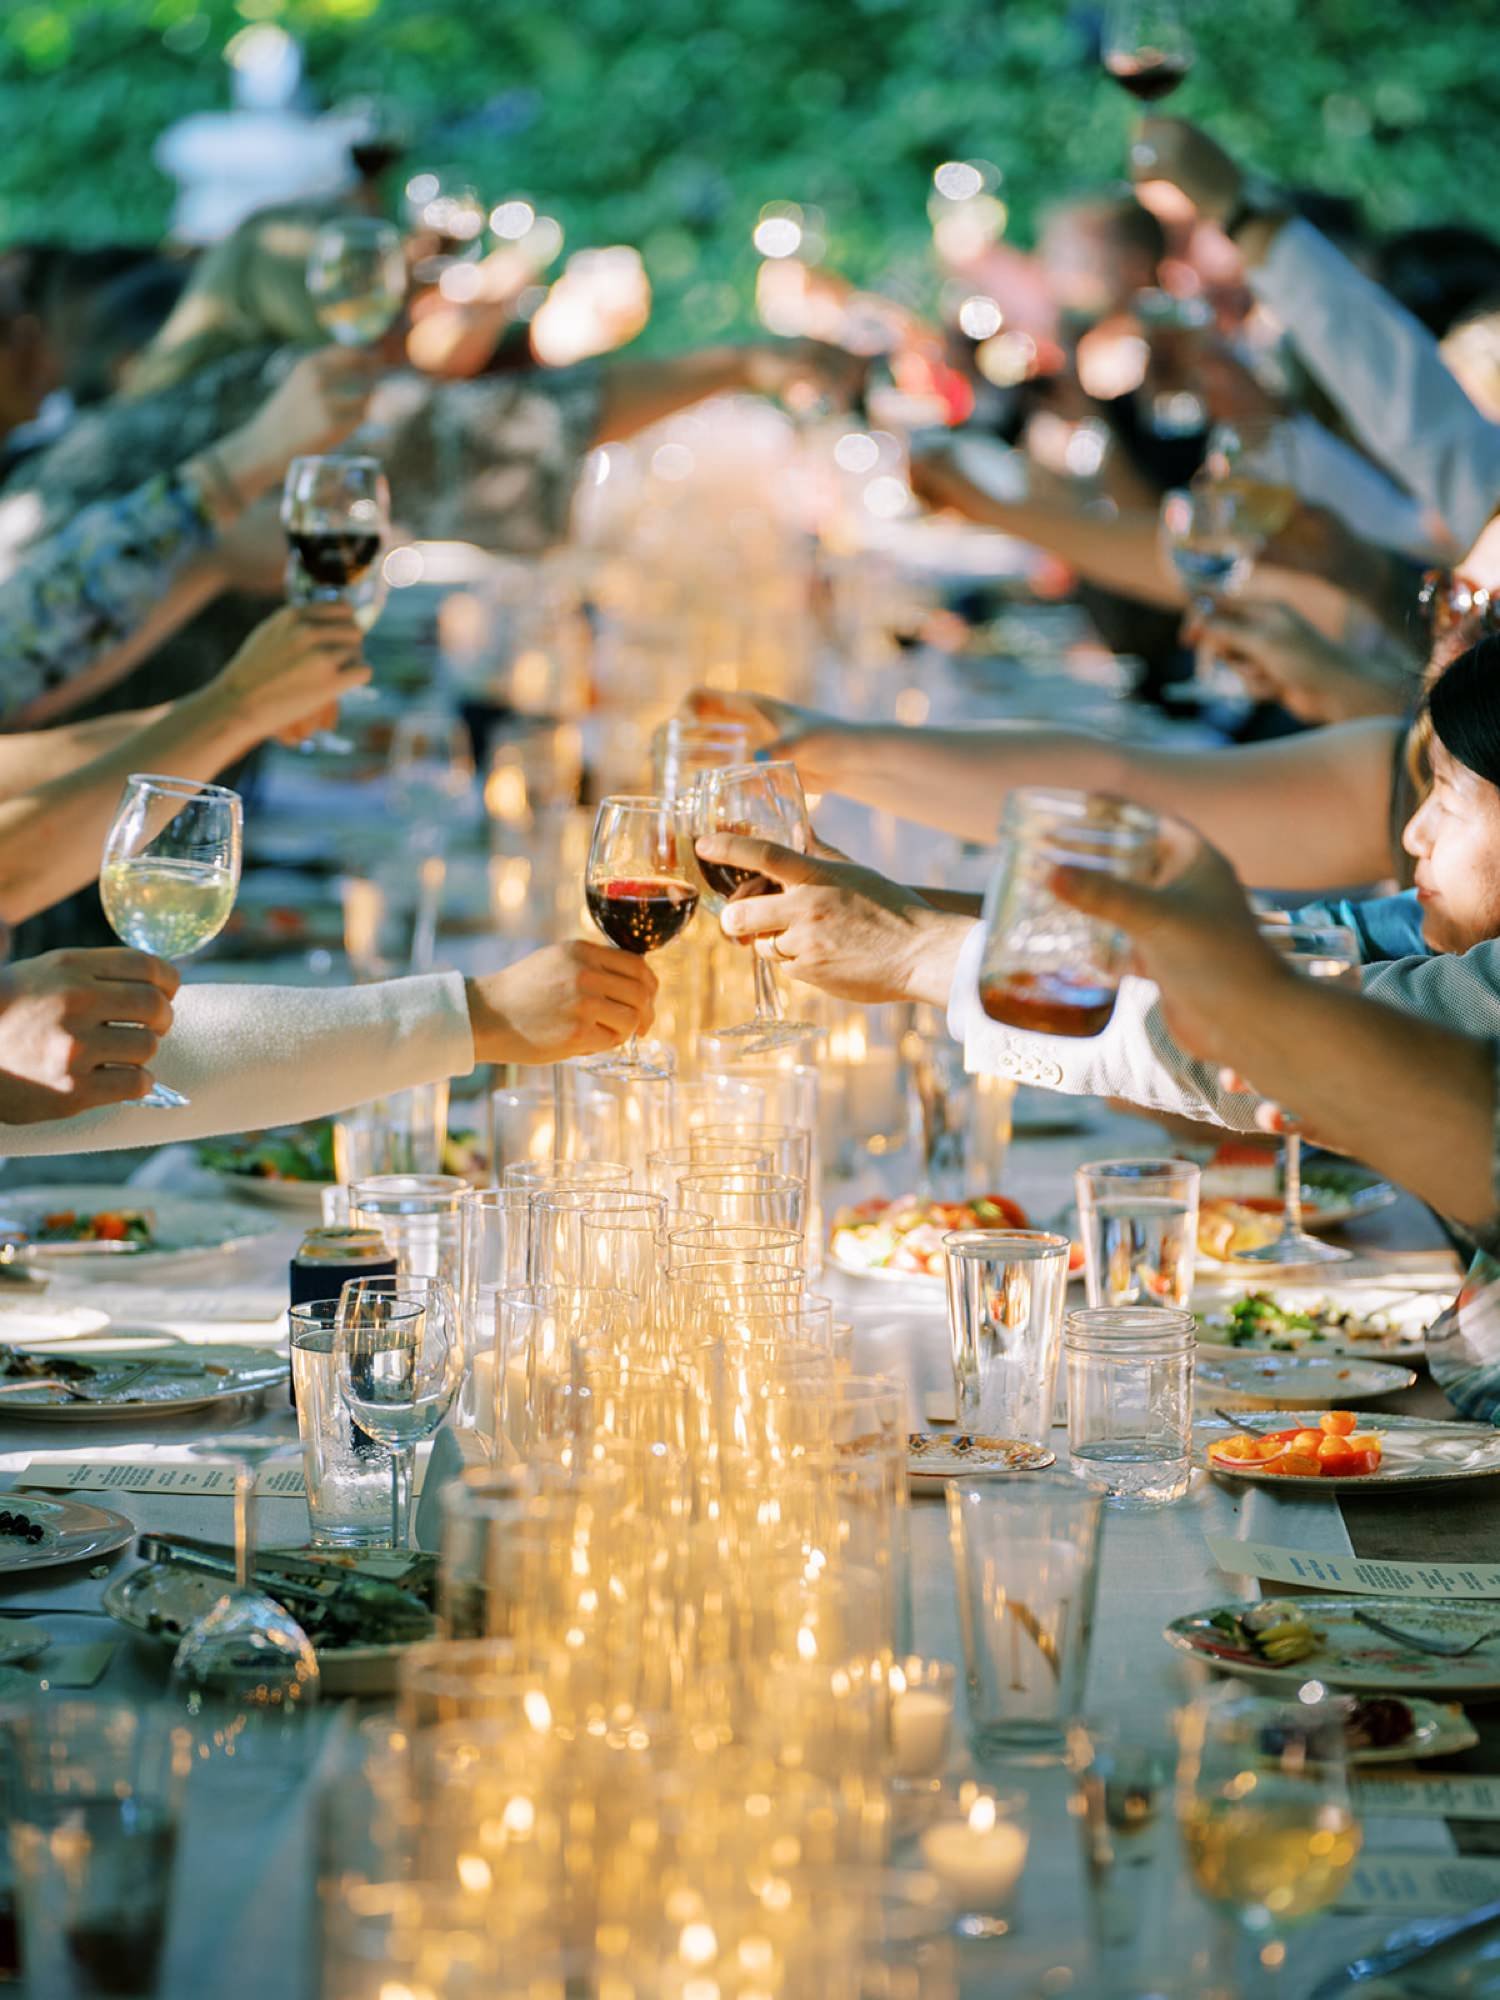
{"x":35,"y":757}
{"x":1306,"y":812}
{"x":640,"y":392}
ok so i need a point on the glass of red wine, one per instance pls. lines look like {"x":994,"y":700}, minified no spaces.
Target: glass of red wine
{"x":638,"y":891}
{"x":1146,"y":48}
{"x":336,"y":512}
{"x":765,"y":801}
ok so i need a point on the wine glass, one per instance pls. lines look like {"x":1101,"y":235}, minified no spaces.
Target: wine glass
{"x":1318,"y":952}
{"x":356,"y":278}
{"x":1255,"y":459}
{"x":1264,"y":1811}
{"x":1146,"y":47}
{"x":246,"y":1663}
{"x":637,"y":891}
{"x":336,"y":511}
{"x":764,"y":800}
{"x":170,"y":871}
{"x":1212,"y":543}
{"x":399,"y":1366}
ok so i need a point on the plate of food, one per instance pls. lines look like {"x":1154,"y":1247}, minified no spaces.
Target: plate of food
{"x":286,"y":1168}
{"x":1373,"y":1322}
{"x":359,"y":1623}
{"x":1240,"y":1207}
{"x":1338,"y":1452}
{"x":92,"y":1221}
{"x":42,"y":1534}
{"x":1274,"y":1381}
{"x":43,"y":1384}
{"x":900,"y":1241}
{"x":1284,"y":1641}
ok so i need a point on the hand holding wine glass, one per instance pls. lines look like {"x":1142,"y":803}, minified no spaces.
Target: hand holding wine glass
{"x":336,"y":512}
{"x":1146,"y":47}
{"x":764,"y":800}
{"x":170,"y":872}
{"x":637,"y":889}
{"x":356,"y":279}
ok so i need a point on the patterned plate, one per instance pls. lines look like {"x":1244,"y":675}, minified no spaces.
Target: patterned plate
{"x":182,"y":1225}
{"x":1416,"y":1452}
{"x":1351,"y":1655}
{"x":1263,"y":1381}
{"x":946,"y":1455}
{"x":1440,"y":1729}
{"x":71,"y":1532}
{"x":168,"y":1382}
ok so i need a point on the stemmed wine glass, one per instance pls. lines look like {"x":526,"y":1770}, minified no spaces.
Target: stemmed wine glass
{"x":637,"y":890}
{"x":1212,"y":543}
{"x":247,"y":1661}
{"x":1256,"y":460}
{"x":1264,"y":1811}
{"x":170,"y":872}
{"x":766,"y":801}
{"x":399,"y":1367}
{"x":1318,"y":952}
{"x":336,"y":510}
{"x":1146,"y":47}
{"x":356,"y":279}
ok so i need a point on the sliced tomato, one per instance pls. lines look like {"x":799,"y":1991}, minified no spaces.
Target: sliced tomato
{"x":1338,"y":1423}
{"x":1302,"y":1464}
{"x":1365,"y":1441}
{"x":1305,"y":1443}
{"x":1336,"y":1459}
{"x":1244,"y":1449}
{"x":109,"y":1228}
{"x":1364,"y":1461}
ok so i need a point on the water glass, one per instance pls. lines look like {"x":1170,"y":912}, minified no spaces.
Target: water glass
{"x":537,"y":1175}
{"x":404,"y":1133}
{"x":1006,"y":1290}
{"x":741,"y":1195}
{"x":421,"y":1218}
{"x":625,"y":1117}
{"x":94,"y":1792}
{"x":1130,"y":1402}
{"x":523,"y":1126}
{"x":1045,"y":965}
{"x":1122,"y":1801}
{"x":348,"y":1475}
{"x":1139,"y":1223}
{"x":1026,"y":1557}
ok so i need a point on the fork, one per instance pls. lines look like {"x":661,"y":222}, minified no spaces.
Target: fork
{"x":1440,"y":1649}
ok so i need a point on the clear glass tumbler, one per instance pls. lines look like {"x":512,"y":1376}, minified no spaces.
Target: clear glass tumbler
{"x":1130,"y":1402}
{"x":1139,"y":1224}
{"x":348,"y":1475}
{"x":1006,"y":1289}
{"x":1046,"y":966}
{"x":420,"y":1217}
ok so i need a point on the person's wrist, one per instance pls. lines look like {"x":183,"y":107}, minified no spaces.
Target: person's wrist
{"x":253,"y":461}
{"x":931,"y":956}
{"x":494,"y":1038}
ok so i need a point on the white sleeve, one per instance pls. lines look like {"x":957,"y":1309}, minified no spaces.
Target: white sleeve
{"x":252,"y":1056}
{"x":1383,"y":370}
{"x":1334,"y":475}
{"x":1135,"y":1058}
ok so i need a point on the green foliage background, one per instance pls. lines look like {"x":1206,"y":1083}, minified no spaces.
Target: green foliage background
{"x":668,"y":123}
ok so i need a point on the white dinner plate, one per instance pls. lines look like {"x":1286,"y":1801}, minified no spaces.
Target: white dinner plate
{"x":71,"y":1532}
{"x":300,"y":1199}
{"x":1255,"y":1380}
{"x":183,"y":1226}
{"x":1416,"y":1453}
{"x":1351,"y":1655}
{"x":1380,"y":1323}
{"x":175,"y":1380}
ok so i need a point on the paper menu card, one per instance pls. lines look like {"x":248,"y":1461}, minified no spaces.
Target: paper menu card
{"x":1368,"y":1576}
{"x":126,"y":1475}
{"x":1401,"y":1885}
{"x":1462,"y":1796}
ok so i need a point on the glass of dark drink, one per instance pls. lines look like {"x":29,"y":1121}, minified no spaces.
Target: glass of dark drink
{"x":1046,"y":966}
{"x":336,"y":511}
{"x":1146,"y":47}
{"x":766,"y":802}
{"x":637,"y":890}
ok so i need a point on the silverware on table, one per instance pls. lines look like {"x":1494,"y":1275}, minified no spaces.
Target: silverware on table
{"x":1403,"y":1948}
{"x":1421,"y":1642}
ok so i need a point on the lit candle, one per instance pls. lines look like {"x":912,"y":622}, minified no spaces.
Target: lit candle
{"x":921,"y":1717}
{"x":482,"y":1394}
{"x":979,"y":1857}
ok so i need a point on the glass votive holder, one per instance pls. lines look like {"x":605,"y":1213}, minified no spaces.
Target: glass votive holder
{"x":1130,"y":1402}
{"x":1006,"y":1291}
{"x":978,"y":1852}
{"x":922,"y":1702}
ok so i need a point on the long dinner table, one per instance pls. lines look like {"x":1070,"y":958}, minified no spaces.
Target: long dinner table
{"x":242,"y":1914}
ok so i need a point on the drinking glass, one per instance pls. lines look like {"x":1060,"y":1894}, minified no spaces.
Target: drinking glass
{"x":400,"y":1134}
{"x":399,"y":1368}
{"x":1212,"y":543}
{"x":170,"y":871}
{"x":1122,"y":1801}
{"x":1255,"y":459}
{"x":1139,"y":1223}
{"x":1264,"y":1809}
{"x":421,"y":1218}
{"x":745,"y":1195}
{"x":624,"y":1118}
{"x":637,"y":890}
{"x":92,"y":1807}
{"x":667,"y":1164}
{"x":765,"y":800}
{"x":1025,"y":1555}
{"x":1316,"y":952}
{"x":1130,"y":1402}
{"x":1046,"y":966}
{"x":537,"y":1174}
{"x":682,"y":750}
{"x":246,"y":1666}
{"x":348,"y":1475}
{"x":523,"y":1126}
{"x":1006,"y":1289}
{"x":1146,"y":48}
{"x":336,"y":511}
{"x":356,"y":279}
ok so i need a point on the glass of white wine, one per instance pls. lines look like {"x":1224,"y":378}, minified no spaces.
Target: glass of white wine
{"x":1264,"y":1810}
{"x":356,"y":279}
{"x":170,"y":872}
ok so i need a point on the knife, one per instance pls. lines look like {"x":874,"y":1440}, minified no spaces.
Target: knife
{"x":1404,"y":1947}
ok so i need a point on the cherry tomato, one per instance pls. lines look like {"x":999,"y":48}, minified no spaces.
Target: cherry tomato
{"x":1338,"y":1423}
{"x":1336,"y":1459}
{"x":1305,"y":1443}
{"x":1304,"y":1464}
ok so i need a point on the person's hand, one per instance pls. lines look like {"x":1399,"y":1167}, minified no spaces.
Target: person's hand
{"x":1193,"y":933}
{"x":1281,"y":657}
{"x":568,"y":1000}
{"x":291,"y":673}
{"x":798,"y":372}
{"x":1170,"y":149}
{"x":839,"y":926}
{"x":777,"y":730}
{"x":79,"y":1029}
{"x":313,"y":408}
